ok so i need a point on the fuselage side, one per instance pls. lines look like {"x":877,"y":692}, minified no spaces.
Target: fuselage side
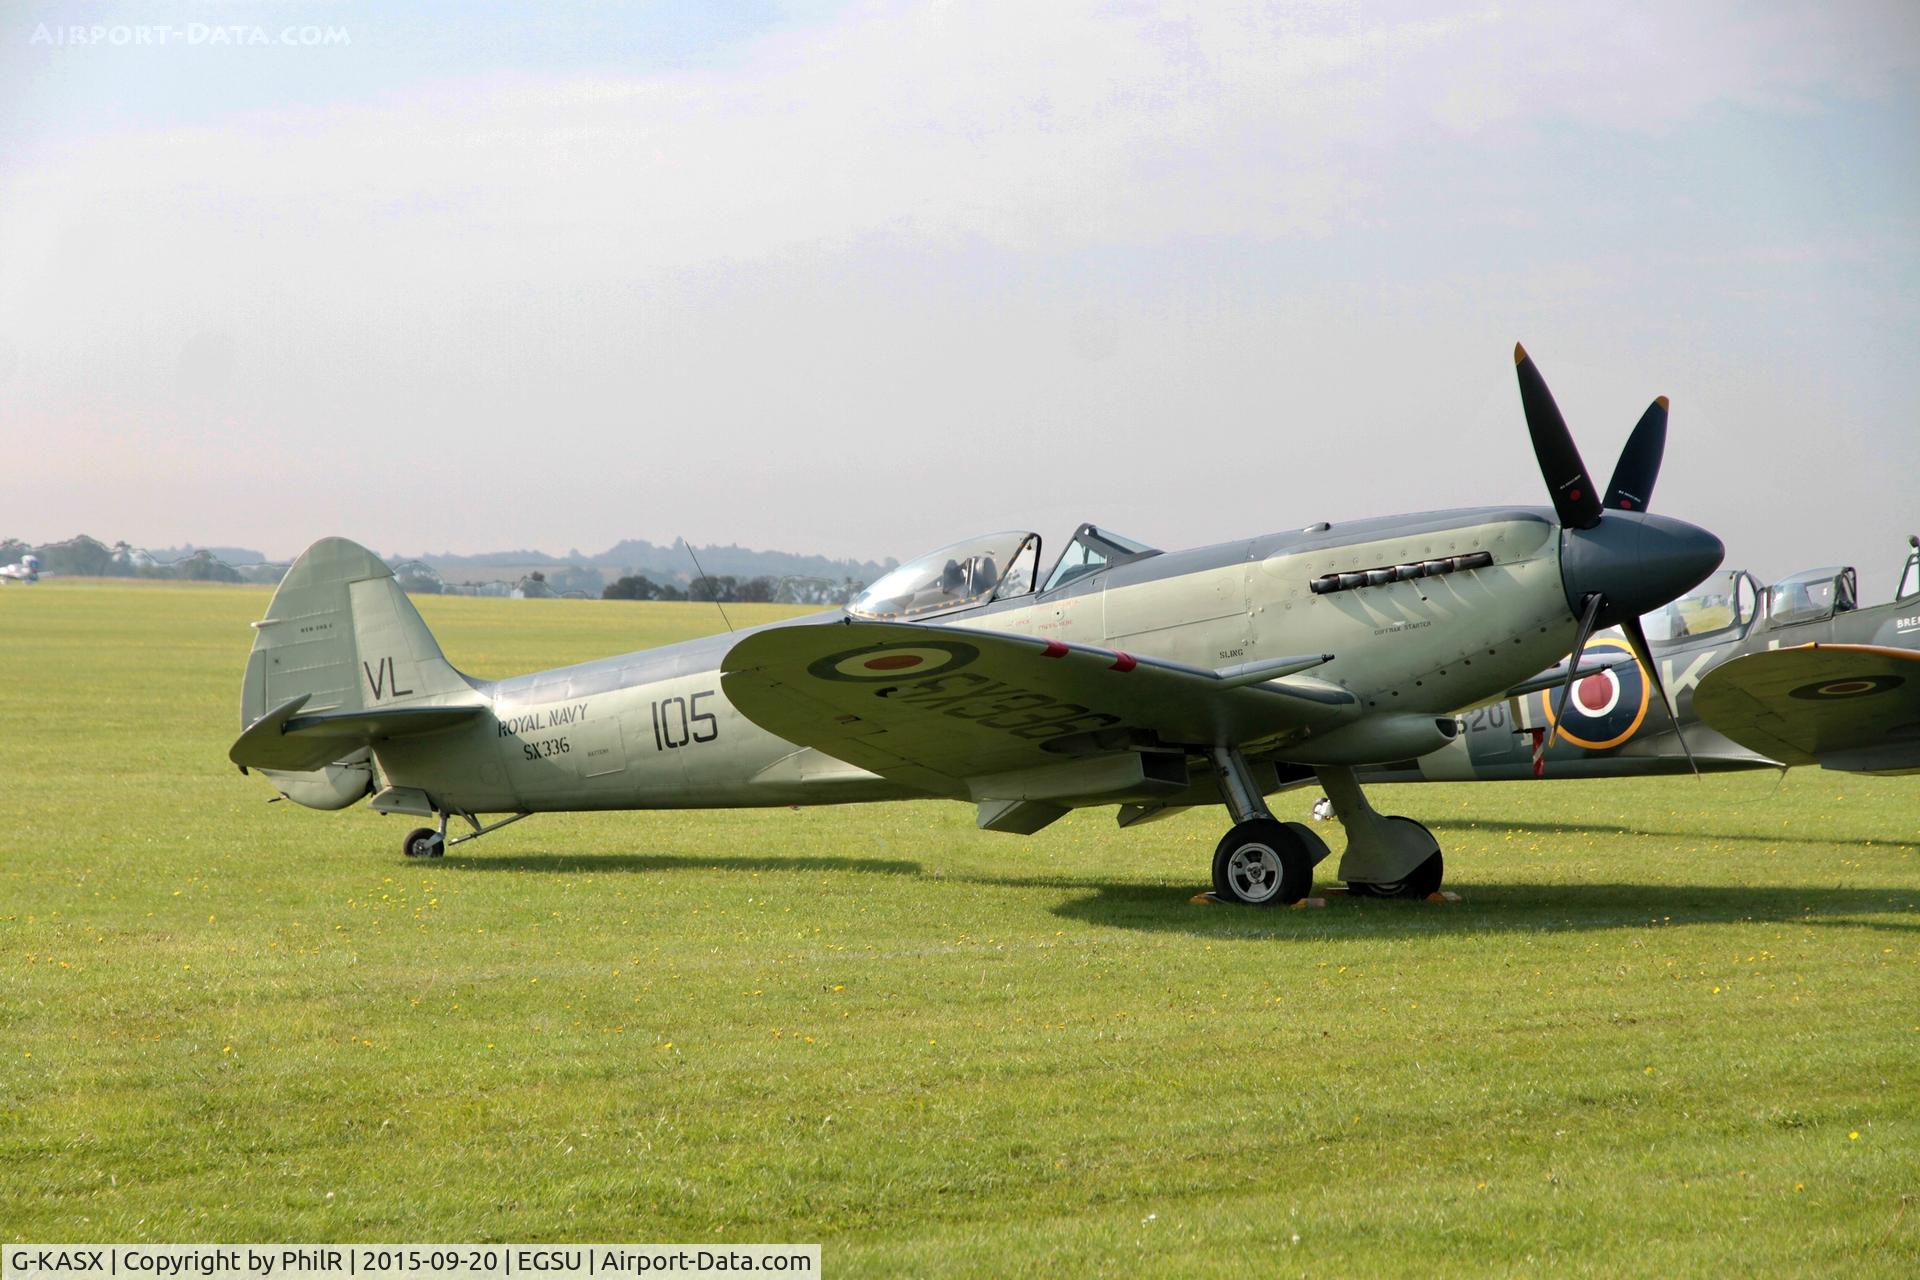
{"x":654,"y":729}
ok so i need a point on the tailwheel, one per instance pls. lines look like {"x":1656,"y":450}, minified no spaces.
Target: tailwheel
{"x":1422,"y":882}
{"x":423,"y":842}
{"x":1264,"y":863}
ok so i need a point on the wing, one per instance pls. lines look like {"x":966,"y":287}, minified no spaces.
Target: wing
{"x":1841,"y":706}
{"x":954,"y":711}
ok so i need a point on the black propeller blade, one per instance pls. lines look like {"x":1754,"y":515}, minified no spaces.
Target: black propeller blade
{"x":1574,"y":500}
{"x":1632,"y":486}
{"x":1637,"y":637}
{"x":1574,"y":675}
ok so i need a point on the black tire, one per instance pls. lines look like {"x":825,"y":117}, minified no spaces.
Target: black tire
{"x":1422,"y":882}
{"x":422,"y":842}
{"x":1262,"y":863}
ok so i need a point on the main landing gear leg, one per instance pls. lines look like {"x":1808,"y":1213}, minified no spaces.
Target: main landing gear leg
{"x":1260,"y":862}
{"x":1386,"y":857}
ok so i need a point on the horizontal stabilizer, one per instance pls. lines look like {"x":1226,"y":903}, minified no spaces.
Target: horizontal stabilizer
{"x":285,"y":739}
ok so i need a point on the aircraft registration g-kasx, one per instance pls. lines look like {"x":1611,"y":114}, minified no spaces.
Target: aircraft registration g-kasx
{"x":1124,"y":675}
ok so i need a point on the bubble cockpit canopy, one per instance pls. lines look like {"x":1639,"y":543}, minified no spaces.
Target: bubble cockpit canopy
{"x":1811,"y":595}
{"x":991,"y":567}
{"x":1091,"y":550}
{"x":994,"y":566}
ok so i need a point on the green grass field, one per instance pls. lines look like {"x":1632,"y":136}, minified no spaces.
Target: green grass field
{"x":1672,"y":1027}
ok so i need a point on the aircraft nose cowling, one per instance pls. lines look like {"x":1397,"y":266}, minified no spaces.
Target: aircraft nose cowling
{"x":1636,"y":561}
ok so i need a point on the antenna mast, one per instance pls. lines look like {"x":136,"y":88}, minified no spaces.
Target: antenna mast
{"x":703,"y":573}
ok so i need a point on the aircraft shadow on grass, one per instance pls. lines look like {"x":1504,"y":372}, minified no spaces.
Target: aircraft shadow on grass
{"x":1170,"y":909}
{"x":639,"y":862}
{"x":1502,"y":908}
{"x":1479,"y":827}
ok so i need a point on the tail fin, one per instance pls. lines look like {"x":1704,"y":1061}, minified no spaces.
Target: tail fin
{"x":341,"y":632}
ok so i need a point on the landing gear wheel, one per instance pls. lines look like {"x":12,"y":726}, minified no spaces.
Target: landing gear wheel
{"x":1423,"y":881}
{"x":1262,"y":863}
{"x":423,"y":842}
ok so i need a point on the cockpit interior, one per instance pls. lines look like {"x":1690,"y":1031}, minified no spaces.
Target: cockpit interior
{"x":1728,"y":602}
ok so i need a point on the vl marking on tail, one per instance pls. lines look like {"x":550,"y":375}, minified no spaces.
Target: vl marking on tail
{"x":382,"y":676}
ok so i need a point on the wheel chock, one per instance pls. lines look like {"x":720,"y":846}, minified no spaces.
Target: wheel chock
{"x":1212,"y":899}
{"x":1440,"y":895}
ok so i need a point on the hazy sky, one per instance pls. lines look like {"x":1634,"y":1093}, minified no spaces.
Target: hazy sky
{"x":866,"y":279}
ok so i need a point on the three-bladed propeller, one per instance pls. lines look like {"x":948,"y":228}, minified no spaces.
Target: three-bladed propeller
{"x":1578,"y":507}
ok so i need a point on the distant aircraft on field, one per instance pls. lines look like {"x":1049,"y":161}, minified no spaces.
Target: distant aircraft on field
{"x":28,"y":570}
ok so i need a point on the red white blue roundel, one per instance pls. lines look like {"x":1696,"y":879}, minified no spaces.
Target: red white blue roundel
{"x":893,"y":661}
{"x":1848,"y":687}
{"x":1606,"y":708}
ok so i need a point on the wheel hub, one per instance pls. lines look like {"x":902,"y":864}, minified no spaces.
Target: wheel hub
{"x":1255,"y":869}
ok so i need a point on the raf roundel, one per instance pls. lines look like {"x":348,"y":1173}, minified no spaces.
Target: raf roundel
{"x":1608,"y":707}
{"x":1856,"y":687}
{"x":1597,"y":694}
{"x":893,"y":662}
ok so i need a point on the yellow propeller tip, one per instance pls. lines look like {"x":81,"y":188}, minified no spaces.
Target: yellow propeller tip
{"x":1662,"y":402}
{"x":1519,"y":353}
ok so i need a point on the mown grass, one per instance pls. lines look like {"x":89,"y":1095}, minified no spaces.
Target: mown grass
{"x":1673,"y":1027}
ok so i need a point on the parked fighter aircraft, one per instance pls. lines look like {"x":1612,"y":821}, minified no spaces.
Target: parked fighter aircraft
{"x":1610,"y":726}
{"x":1835,"y":685}
{"x":28,"y":570}
{"x":1125,"y":675}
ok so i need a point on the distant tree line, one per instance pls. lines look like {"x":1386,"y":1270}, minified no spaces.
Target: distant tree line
{"x":87,"y":557}
{"x":728,"y":589}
